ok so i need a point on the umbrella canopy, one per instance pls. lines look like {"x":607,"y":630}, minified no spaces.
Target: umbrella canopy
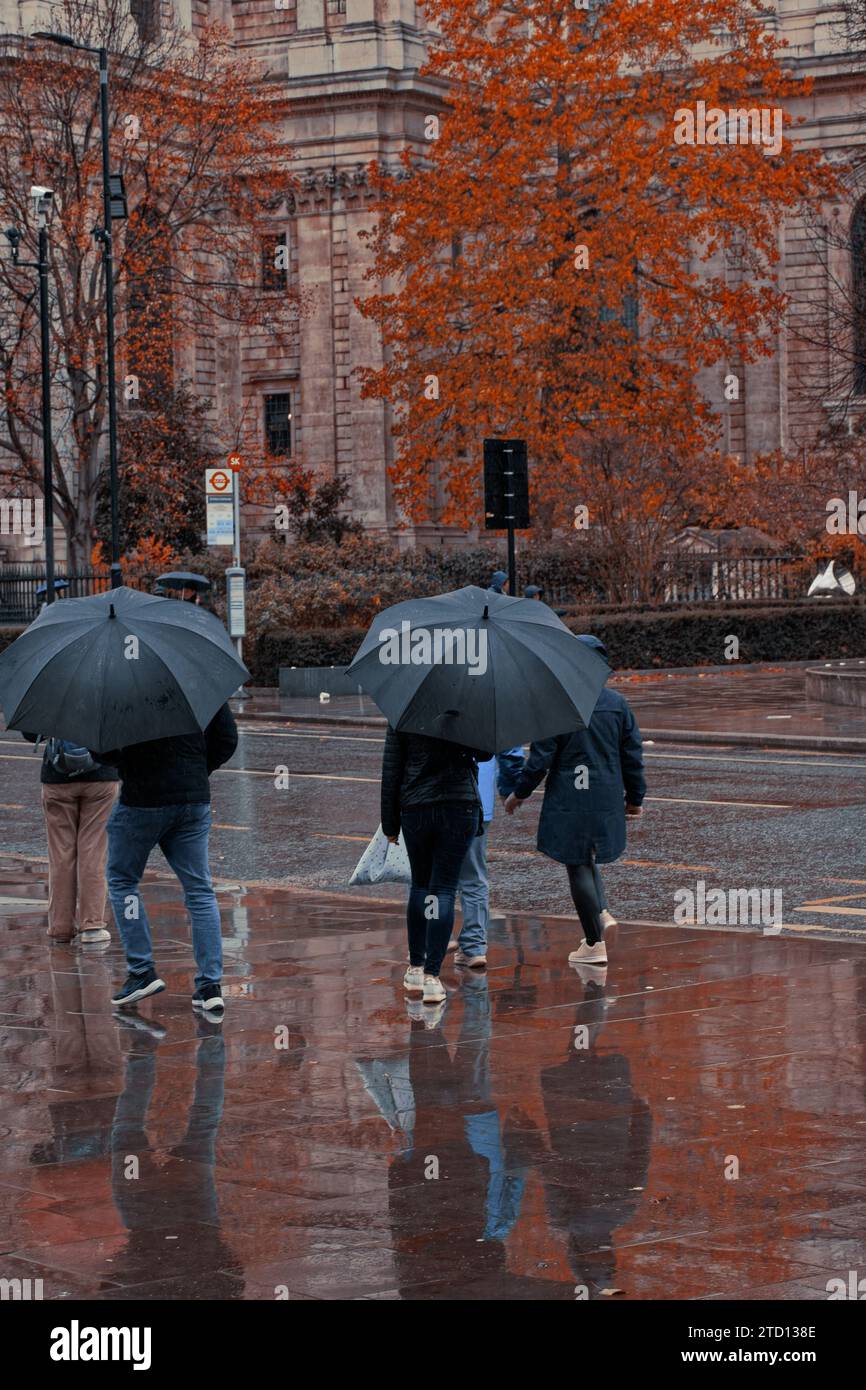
{"x":478,"y":668}
{"x":58,"y":585}
{"x":118,"y":668}
{"x":184,"y":579}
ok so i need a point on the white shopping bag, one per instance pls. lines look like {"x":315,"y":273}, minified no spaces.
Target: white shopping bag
{"x":382,"y":862}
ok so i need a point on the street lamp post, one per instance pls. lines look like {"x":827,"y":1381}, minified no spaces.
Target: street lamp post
{"x":43,"y":203}
{"x":43,"y":199}
{"x":113,"y":208}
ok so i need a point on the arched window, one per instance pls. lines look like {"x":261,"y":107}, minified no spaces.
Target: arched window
{"x":858,"y":296}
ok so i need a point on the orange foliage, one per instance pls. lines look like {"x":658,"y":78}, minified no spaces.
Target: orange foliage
{"x":551,"y":209}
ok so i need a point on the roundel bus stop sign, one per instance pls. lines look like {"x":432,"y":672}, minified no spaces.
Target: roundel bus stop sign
{"x":219,"y":490}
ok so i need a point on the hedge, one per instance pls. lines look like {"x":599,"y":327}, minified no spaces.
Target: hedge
{"x":818,"y":630}
{"x":326,"y":647}
{"x":8,"y":636}
{"x":813,"y":630}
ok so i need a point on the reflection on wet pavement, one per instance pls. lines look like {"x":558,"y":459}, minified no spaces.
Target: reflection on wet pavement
{"x":687,"y":1124}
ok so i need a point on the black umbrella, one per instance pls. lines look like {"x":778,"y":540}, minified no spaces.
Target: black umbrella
{"x":184,"y":579}
{"x":479,"y":668}
{"x":117,"y":668}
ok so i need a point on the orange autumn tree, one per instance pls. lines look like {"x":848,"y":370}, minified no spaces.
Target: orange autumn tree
{"x":558,"y":262}
{"x":192,"y":133}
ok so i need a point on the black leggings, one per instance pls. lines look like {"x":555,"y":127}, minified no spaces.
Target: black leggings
{"x":581,"y":881}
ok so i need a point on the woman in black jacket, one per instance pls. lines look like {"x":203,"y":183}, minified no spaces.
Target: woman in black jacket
{"x":430,"y":792}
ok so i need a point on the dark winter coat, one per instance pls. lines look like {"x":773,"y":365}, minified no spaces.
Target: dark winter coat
{"x":577,"y":822}
{"x":174,"y":771}
{"x":422,"y":771}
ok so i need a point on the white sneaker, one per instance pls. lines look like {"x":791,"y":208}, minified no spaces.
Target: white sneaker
{"x":476,"y":962}
{"x":91,"y":935}
{"x":607,"y":919}
{"x":413,"y":980}
{"x":433,"y":991}
{"x":589,"y":955}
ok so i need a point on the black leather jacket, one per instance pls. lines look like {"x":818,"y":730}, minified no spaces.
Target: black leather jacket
{"x":422,"y":771}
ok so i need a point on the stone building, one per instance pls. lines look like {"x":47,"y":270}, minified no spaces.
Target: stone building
{"x":344,"y":77}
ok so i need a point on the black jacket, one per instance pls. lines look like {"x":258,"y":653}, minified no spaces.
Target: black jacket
{"x":174,"y":771}
{"x":50,"y":777}
{"x":422,"y":771}
{"x":585,"y":815}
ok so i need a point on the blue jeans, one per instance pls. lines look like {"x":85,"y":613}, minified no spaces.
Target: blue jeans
{"x":474,"y":886}
{"x":437,"y":837}
{"x":182,"y":834}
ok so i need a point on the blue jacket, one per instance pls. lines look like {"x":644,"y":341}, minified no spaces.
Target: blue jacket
{"x":510,"y":766}
{"x":580,"y":820}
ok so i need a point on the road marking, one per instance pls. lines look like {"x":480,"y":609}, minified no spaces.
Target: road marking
{"x":762,"y":805}
{"x":374,"y":782}
{"x":844,"y":898}
{"x":303,"y":733}
{"x":701,"y":927}
{"x":834,"y":911}
{"x":220,"y":825}
{"x":763,"y":762}
{"x":307,"y":776}
{"x":324,"y":835}
{"x":658,"y":864}
{"x":526,"y":853}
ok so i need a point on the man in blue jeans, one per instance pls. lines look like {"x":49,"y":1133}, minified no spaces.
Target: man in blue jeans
{"x":474,"y":883}
{"x":165,"y":801}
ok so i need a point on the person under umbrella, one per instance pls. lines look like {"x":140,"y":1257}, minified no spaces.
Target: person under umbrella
{"x":165,"y":801}
{"x":595,"y":778}
{"x":78,"y":795}
{"x":430,"y":792}
{"x":451,"y":674}
{"x":183,"y":584}
{"x":142,"y":683}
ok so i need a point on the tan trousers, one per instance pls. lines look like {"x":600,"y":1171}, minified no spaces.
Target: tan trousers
{"x":76,"y":816}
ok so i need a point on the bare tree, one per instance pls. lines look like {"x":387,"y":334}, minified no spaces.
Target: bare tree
{"x":192,"y":134}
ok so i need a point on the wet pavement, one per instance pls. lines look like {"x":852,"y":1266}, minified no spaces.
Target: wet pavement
{"x":781,"y":820}
{"x":688,"y":1124}
{"x":756,"y":705}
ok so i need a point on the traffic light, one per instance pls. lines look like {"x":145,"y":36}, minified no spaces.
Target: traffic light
{"x":506,"y":484}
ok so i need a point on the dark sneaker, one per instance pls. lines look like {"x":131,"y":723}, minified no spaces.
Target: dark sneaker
{"x":208,"y":997}
{"x":138,"y":987}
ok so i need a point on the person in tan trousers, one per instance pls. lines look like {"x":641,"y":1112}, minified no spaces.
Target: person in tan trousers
{"x":76,"y":810}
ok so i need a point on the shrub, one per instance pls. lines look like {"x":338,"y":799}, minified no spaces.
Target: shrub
{"x":8,"y":636}
{"x":332,"y":647}
{"x":819,"y":630}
